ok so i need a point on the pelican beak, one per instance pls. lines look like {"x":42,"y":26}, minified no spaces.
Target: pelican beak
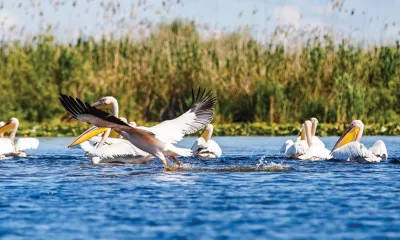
{"x":99,"y":104}
{"x":204,"y":134}
{"x":88,"y":134}
{"x":6,"y":128}
{"x":348,"y":136}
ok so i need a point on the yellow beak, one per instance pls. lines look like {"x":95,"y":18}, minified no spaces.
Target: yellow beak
{"x":348,"y":136}
{"x":204,"y":134}
{"x":88,"y":134}
{"x":6,"y":128}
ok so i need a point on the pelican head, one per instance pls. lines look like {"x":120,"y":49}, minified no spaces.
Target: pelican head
{"x":10,"y":126}
{"x":351,"y":134}
{"x":207,"y":133}
{"x":105,"y":101}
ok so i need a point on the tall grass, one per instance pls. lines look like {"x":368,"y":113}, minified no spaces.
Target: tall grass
{"x":152,"y":78}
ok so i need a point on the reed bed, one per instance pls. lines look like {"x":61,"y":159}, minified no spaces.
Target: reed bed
{"x":152,"y":77}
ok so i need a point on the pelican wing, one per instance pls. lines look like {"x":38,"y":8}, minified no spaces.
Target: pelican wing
{"x":26,"y":143}
{"x":96,"y":139}
{"x":200,"y":114}
{"x":286,"y":145}
{"x":6,"y":146}
{"x":316,"y":153}
{"x":316,"y":141}
{"x":297,"y":149}
{"x":214,"y":148}
{"x":379,"y":149}
{"x":86,"y":113}
{"x":354,"y":151}
{"x":121,"y":149}
{"x":87,"y":146}
{"x":200,"y":143}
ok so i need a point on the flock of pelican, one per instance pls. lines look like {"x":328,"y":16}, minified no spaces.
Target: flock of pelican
{"x":112,"y":139}
{"x":348,"y":146}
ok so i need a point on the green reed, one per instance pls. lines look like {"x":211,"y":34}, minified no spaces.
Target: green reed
{"x":152,"y":77}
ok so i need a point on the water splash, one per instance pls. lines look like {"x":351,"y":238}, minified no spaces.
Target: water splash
{"x":271,"y":166}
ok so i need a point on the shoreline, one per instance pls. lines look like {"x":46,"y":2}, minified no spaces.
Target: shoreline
{"x":63,"y":129}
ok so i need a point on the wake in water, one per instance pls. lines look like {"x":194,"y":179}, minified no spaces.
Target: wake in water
{"x":261,"y":166}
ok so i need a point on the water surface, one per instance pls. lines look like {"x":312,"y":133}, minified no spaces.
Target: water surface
{"x":252,"y":192}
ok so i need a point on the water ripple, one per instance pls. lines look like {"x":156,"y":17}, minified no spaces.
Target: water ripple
{"x":252,"y":192}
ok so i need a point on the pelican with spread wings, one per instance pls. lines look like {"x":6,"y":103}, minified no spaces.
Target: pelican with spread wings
{"x":157,"y":140}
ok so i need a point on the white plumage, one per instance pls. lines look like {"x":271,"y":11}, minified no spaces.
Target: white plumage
{"x":301,"y":149}
{"x":294,"y":149}
{"x":349,"y":148}
{"x":6,"y":146}
{"x":354,"y":151}
{"x":204,"y":146}
{"x":379,"y":149}
{"x":10,"y":146}
{"x":26,"y":143}
{"x":209,"y":149}
{"x":155,"y":140}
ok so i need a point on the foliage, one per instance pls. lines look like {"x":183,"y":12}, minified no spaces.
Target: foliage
{"x":153,"y":77}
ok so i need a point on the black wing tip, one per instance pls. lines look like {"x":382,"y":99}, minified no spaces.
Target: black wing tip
{"x":77,"y":107}
{"x":206,"y":98}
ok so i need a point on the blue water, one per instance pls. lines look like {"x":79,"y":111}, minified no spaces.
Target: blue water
{"x":250,"y":193}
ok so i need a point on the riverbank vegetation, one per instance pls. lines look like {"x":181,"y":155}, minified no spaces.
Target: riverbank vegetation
{"x":263,"y":88}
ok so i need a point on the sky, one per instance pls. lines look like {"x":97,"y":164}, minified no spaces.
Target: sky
{"x":361,"y":20}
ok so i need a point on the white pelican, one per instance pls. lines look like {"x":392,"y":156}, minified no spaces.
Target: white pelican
{"x":205,"y":147}
{"x":114,"y":150}
{"x":348,"y":147}
{"x":314,"y":151}
{"x":8,"y":145}
{"x":295,"y":149}
{"x":156,"y":140}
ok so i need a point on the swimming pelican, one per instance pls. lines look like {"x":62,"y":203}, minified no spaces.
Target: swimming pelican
{"x":314,"y":151}
{"x":348,"y":147}
{"x":295,"y":149}
{"x":205,"y":147}
{"x":156,"y":140}
{"x":8,"y":145}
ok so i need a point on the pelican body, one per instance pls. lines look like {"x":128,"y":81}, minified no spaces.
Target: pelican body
{"x":349,"y":148}
{"x":205,"y":147}
{"x":9,"y":146}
